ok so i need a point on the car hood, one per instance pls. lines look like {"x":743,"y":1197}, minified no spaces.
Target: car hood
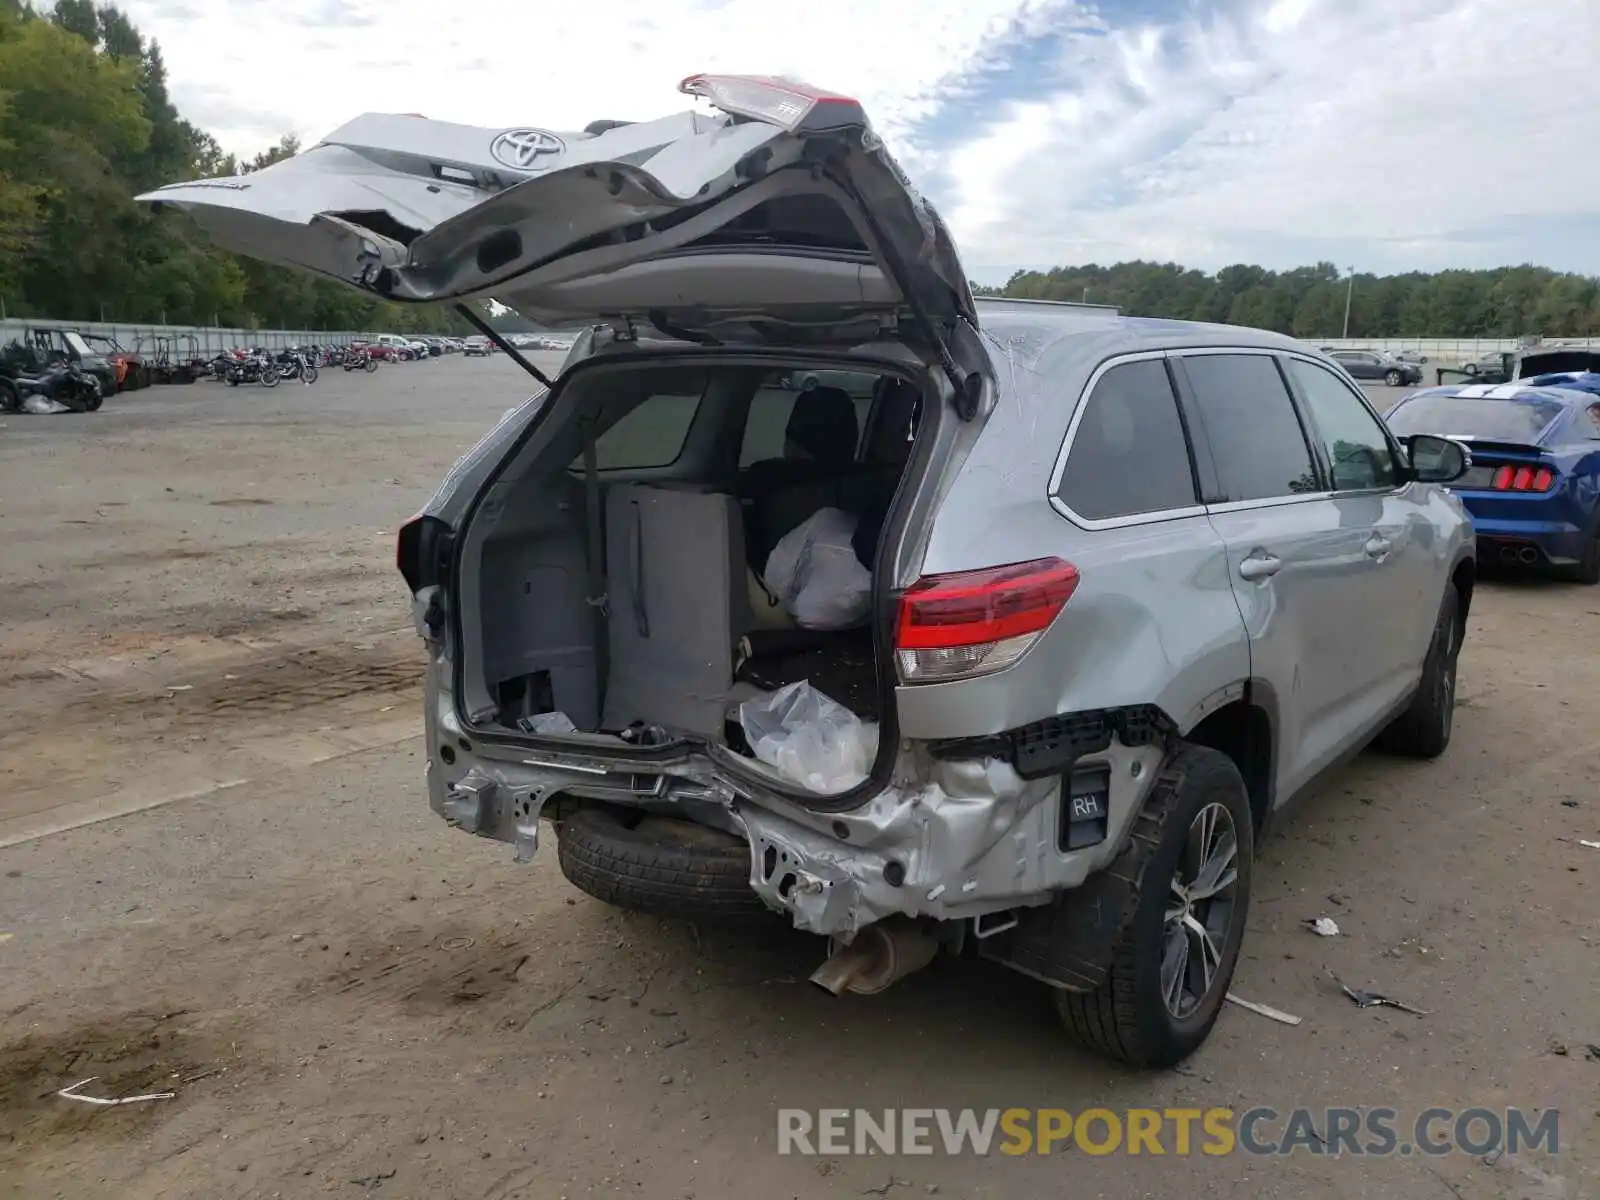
{"x":784,"y":202}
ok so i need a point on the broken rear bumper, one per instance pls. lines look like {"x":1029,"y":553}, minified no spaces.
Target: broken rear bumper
{"x":947,"y":840}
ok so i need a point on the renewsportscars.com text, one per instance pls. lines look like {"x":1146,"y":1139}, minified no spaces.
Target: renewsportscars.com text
{"x":1356,"y":1132}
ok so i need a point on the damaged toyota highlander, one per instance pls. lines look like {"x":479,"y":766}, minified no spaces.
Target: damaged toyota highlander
{"x":812,"y":585}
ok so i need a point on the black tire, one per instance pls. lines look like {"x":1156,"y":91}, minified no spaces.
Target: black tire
{"x":1423,"y":729}
{"x":1587,"y":569}
{"x":310,"y":373}
{"x":93,"y":400}
{"x":1393,"y":378}
{"x":1470,"y":369}
{"x":10,"y":402}
{"x":1128,"y":1017}
{"x":656,"y":864}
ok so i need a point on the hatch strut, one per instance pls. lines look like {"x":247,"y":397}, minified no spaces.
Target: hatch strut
{"x":494,"y":336}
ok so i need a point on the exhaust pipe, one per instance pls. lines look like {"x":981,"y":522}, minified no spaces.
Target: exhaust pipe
{"x":1528,"y":555}
{"x":879,"y":955}
{"x":1508,"y":554}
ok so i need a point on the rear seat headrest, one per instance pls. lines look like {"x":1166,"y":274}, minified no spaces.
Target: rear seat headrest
{"x":823,"y":425}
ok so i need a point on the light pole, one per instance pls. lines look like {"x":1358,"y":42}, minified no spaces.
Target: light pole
{"x":1349,"y":294}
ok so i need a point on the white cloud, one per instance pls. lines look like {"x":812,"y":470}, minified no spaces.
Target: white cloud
{"x":1389,"y":125}
{"x":1268,"y":130}
{"x":312,"y":64}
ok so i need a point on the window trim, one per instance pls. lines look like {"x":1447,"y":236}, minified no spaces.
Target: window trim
{"x":1310,"y":419}
{"x":1187,"y":399}
{"x":1155,"y":516}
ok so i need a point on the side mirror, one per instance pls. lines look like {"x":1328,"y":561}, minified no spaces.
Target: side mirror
{"x":1437,"y":459}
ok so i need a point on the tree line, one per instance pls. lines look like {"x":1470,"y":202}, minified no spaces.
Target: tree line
{"x":1310,"y":302}
{"x":86,"y":122}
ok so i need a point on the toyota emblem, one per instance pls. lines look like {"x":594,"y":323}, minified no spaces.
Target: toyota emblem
{"x":520,"y":149}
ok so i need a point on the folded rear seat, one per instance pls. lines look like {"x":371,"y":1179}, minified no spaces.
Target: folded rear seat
{"x":675,"y":564}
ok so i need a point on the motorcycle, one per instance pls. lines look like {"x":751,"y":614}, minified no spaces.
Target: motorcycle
{"x":358,"y":358}
{"x":59,"y":387}
{"x":254,"y":367}
{"x":293,"y":364}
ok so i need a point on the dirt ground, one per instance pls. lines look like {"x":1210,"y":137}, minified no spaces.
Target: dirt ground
{"x":219,"y":878}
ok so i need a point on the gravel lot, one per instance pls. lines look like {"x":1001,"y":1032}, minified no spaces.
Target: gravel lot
{"x":346,"y":997}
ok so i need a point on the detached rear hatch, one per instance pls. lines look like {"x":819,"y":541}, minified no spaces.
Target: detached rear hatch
{"x":1552,"y":360}
{"x":782,"y":206}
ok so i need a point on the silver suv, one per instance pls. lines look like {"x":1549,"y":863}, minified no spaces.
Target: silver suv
{"x":1071,"y":604}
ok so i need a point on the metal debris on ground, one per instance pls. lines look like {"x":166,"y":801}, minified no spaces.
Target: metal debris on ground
{"x":1322,"y":926}
{"x":1265,"y":1010}
{"x":1591,"y":845}
{"x":71,"y":1093}
{"x":1364,"y":999}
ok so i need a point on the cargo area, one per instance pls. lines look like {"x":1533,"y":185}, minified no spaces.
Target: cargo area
{"x":676,"y":540}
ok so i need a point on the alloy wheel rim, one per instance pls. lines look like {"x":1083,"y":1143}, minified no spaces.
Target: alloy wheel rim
{"x":1201,"y":909}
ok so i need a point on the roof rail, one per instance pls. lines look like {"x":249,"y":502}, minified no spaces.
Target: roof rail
{"x":1019,"y":302}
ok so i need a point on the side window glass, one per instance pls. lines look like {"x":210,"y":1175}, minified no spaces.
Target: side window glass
{"x":652,"y":433}
{"x":1129,"y":455}
{"x":1357,"y":449}
{"x":1256,"y":441}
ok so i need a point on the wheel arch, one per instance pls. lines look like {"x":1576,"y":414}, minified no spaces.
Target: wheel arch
{"x":1246,"y":730}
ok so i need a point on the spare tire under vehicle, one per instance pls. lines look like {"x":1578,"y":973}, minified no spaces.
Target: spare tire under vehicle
{"x":656,"y":864}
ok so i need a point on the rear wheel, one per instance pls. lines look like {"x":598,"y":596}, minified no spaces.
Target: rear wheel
{"x":1176,"y":956}
{"x":10,"y":402}
{"x":1423,"y":730}
{"x":1392,"y":378}
{"x":1587,"y":569}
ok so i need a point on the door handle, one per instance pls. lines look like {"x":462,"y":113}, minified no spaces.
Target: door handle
{"x":1379,"y":546}
{"x":1260,"y":566}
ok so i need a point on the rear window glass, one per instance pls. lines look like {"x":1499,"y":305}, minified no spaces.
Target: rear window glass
{"x":775,"y":401}
{"x":1511,"y":420}
{"x":1129,"y":455}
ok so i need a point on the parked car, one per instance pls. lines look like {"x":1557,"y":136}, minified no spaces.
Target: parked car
{"x":391,"y":347}
{"x":477,"y":347}
{"x":1535,"y":478}
{"x":1498,"y":367}
{"x":1377,"y":364}
{"x":1090,"y":596}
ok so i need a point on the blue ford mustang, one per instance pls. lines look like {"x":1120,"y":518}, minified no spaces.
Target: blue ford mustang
{"x":1534,"y":487}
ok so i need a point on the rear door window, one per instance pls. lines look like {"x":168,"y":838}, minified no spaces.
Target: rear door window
{"x":1129,"y":456}
{"x":1257,"y":443}
{"x":1359,"y":454}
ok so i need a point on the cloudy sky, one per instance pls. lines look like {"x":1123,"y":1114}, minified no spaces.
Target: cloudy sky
{"x":1383,"y":134}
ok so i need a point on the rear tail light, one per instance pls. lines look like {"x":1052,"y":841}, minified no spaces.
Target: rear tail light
{"x":1523,"y":479}
{"x":975,"y":622}
{"x":783,"y":102}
